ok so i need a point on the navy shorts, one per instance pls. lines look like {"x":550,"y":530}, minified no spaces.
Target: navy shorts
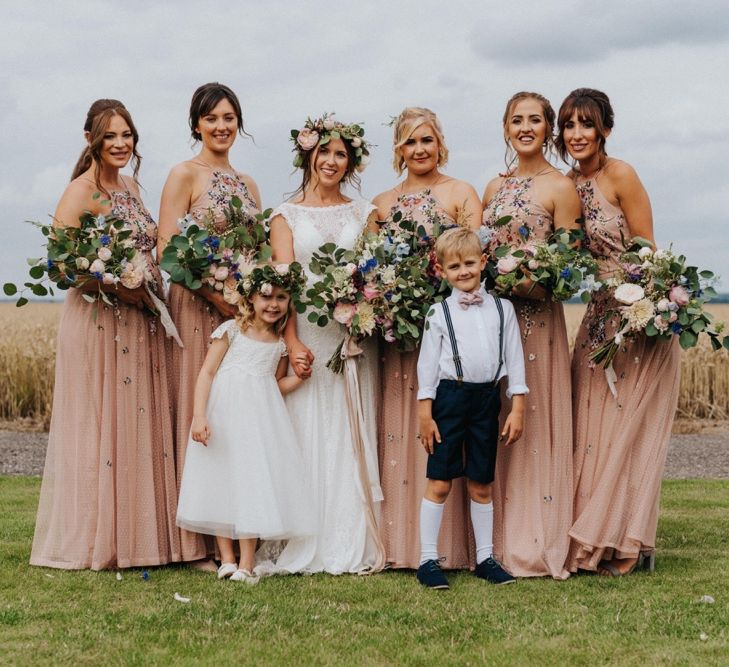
{"x":467,"y":415}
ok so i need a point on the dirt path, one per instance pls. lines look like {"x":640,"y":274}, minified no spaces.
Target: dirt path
{"x":704,"y":455}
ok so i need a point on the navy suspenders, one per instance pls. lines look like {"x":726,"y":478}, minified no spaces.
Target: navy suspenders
{"x":454,"y":345}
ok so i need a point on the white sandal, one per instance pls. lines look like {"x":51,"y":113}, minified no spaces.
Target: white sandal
{"x":246,"y":577}
{"x":226,"y":570}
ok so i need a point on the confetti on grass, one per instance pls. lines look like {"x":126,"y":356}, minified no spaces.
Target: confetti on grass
{"x":145,"y":575}
{"x":119,"y":576}
{"x":179,"y":598}
{"x":707,"y":599}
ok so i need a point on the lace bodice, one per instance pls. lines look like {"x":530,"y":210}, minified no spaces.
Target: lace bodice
{"x":247,"y":355}
{"x":514,"y":198}
{"x":423,"y":208}
{"x":312,"y":227}
{"x":125,"y":206}
{"x":605,"y":225}
{"x":215,"y":199}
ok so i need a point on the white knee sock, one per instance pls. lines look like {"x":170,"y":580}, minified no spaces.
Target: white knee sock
{"x":430,"y":517}
{"x":482,"y":518}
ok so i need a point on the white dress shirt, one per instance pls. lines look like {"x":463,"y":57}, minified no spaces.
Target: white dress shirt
{"x":477,"y":335}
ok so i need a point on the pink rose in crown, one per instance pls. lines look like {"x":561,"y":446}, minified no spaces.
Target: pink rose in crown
{"x":281,"y":269}
{"x":307,"y":138}
{"x":370,"y":292}
{"x":507,"y":264}
{"x":344,"y":312}
{"x":679,"y":295}
{"x":266,"y":289}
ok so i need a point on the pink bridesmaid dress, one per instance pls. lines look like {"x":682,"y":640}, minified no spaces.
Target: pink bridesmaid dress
{"x":620,"y":443}
{"x":402,"y":458}
{"x":109,"y":494}
{"x":533,"y":484}
{"x":196,"y":319}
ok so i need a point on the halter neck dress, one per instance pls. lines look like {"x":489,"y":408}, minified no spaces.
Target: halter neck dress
{"x":533,"y":485}
{"x":196,"y":319}
{"x":620,"y":444}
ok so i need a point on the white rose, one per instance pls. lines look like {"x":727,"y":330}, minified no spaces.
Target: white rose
{"x":281,"y":269}
{"x":108,"y":279}
{"x":82,"y":263}
{"x":662,"y":305}
{"x":219,"y":286}
{"x":329,"y":123}
{"x":104,"y":254}
{"x":131,"y":279}
{"x":350,"y":268}
{"x":645,"y":252}
{"x":533,"y":264}
{"x":266,"y":289}
{"x":356,"y":142}
{"x":364,"y":160}
{"x":628,"y":293}
{"x":97,"y":266}
{"x":221,"y":273}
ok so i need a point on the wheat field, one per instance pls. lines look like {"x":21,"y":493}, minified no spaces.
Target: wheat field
{"x":27,"y":360}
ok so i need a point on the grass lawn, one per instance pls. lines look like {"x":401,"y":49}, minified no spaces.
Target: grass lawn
{"x":65,"y":617}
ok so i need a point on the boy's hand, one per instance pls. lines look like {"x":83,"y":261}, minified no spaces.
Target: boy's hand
{"x":513,"y":427}
{"x":429,"y":433}
{"x":200,"y":430}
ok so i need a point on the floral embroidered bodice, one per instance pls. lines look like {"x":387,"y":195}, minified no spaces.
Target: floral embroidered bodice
{"x":514,"y":198}
{"x":313,"y":226}
{"x":126,"y":207}
{"x":422,"y":208}
{"x":215,"y":199}
{"x":605,"y":226}
{"x":247,"y":355}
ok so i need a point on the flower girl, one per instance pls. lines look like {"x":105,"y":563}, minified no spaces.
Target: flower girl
{"x":243,"y":480}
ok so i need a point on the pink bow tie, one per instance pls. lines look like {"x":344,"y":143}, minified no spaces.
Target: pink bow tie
{"x":466,"y":299}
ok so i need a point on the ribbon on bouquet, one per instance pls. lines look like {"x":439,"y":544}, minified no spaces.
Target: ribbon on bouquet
{"x":611,"y":378}
{"x":164,"y":317}
{"x":366,"y":465}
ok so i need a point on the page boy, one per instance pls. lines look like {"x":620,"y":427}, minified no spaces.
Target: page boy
{"x":471,"y":340}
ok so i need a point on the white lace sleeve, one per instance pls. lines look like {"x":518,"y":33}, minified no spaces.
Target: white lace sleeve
{"x":287,"y":212}
{"x":228,"y":327}
{"x":364,"y":208}
{"x":284,"y":349}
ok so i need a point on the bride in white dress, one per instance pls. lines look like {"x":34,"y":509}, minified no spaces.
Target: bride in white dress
{"x":319,"y":213}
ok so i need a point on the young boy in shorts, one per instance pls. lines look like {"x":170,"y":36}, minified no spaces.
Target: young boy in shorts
{"x":471,"y":340}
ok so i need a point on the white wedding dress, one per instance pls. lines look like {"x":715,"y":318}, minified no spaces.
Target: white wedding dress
{"x":319,"y":414}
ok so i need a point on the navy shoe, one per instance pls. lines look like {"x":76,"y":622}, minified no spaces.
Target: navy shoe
{"x":429,"y":574}
{"x":491,"y":570}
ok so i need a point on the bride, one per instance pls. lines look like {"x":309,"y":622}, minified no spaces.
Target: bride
{"x":346,"y":484}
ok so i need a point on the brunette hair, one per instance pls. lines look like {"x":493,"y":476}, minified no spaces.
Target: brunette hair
{"x":205,"y":99}
{"x":246,"y":314}
{"x":457,"y":241}
{"x":589,"y":105}
{"x":351,"y":177}
{"x":97,"y":122}
{"x":549,"y":117}
{"x":409,"y":120}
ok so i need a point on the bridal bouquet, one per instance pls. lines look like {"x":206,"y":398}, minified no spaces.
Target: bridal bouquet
{"x":203,"y":255}
{"x":556,"y":264}
{"x":385,"y":285}
{"x":660,"y":296}
{"x":99,"y":252}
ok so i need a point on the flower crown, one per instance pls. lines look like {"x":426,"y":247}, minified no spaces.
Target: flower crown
{"x":319,"y":131}
{"x":263,"y":278}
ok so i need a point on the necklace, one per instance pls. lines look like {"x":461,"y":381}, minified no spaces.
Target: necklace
{"x":427,"y":186}
{"x":547,"y":169}
{"x":202,"y":162}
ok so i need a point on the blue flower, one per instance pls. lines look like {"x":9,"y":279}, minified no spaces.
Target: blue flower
{"x":214,"y":242}
{"x":676,"y":328}
{"x":566,"y":272}
{"x":49,"y":263}
{"x":237,"y":275}
{"x":97,"y":275}
{"x":105,"y":239}
{"x":370,"y":264}
{"x":524,"y":231}
{"x":211,"y":257}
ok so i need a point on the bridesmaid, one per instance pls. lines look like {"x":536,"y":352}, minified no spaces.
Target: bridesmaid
{"x":202,"y":187}
{"x":428,"y":196}
{"x":533,"y":486}
{"x":108,"y":497}
{"x":619,"y":454}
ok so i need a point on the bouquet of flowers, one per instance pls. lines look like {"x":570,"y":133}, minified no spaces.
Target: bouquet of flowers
{"x":386,"y":284}
{"x":558,"y":264}
{"x":202,"y":255}
{"x":660,"y":296}
{"x":100,"y":251}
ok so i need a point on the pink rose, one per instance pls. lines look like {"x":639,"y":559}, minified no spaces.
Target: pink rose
{"x":679,"y":295}
{"x":97,"y":266}
{"x":221,"y":273}
{"x":672,"y":317}
{"x":370,"y":292}
{"x":660,"y":323}
{"x":344,"y":312}
{"x":307,"y":138}
{"x":350,"y":268}
{"x":662,"y":305}
{"x":507,"y":264}
{"x":218,"y":286}
{"x":104,"y":254}
{"x":329,"y":123}
{"x":266,"y":289}
{"x":227,"y":253}
{"x":108,"y":279}
{"x":131,"y":279}
{"x":389,"y":336}
{"x":281,"y":269}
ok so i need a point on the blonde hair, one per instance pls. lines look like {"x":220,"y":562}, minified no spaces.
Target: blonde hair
{"x":246,"y":314}
{"x":459,"y":241}
{"x":409,"y":120}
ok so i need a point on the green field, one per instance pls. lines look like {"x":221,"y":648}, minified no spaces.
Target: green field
{"x":64,"y":617}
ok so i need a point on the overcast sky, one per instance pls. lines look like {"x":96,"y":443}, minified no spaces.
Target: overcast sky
{"x":664,"y":64}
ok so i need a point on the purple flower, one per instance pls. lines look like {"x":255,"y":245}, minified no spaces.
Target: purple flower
{"x":105,"y":239}
{"x":211,"y":257}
